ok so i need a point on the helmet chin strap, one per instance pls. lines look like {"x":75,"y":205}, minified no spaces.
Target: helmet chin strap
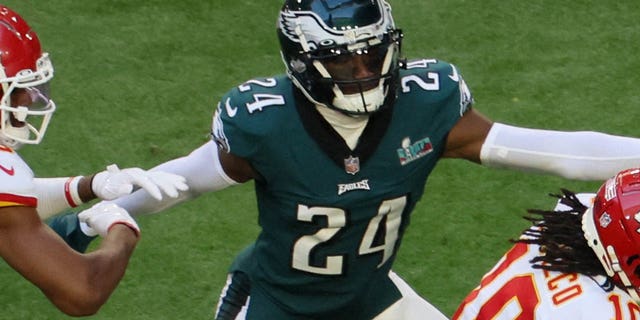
{"x":368,"y":101}
{"x":628,"y":286}
{"x":9,"y":133}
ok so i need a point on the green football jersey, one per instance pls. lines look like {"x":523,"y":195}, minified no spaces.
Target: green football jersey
{"x":332,"y":218}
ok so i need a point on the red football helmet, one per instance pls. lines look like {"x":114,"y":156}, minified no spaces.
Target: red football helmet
{"x":612,"y":229}
{"x":25,"y":106}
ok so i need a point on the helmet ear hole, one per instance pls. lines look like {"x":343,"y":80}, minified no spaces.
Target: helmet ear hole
{"x":297,"y":66}
{"x":637,"y":271}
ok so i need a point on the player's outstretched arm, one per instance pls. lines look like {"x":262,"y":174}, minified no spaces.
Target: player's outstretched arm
{"x":206,"y":169}
{"x":58,"y":194}
{"x":579,"y":155}
{"x":77,"y":284}
{"x":203,"y":170}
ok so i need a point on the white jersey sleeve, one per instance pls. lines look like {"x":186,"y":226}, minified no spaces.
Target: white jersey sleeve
{"x":16,"y":180}
{"x":580,"y":155}
{"x":514,"y":290}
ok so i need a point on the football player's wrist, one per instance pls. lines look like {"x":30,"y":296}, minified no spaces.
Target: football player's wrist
{"x":72,"y":191}
{"x":57,"y":194}
{"x":85,"y":189}
{"x":134,"y":228}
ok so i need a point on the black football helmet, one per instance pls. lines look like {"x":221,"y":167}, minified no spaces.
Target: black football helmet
{"x":323,"y":42}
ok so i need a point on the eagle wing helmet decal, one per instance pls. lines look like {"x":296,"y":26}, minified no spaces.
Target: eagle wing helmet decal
{"x":306,"y":25}
{"x":311,"y":32}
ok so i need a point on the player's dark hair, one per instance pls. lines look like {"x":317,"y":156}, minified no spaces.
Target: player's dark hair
{"x":559,"y":234}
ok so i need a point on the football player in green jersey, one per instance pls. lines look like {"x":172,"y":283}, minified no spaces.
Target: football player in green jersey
{"x":340,"y":148}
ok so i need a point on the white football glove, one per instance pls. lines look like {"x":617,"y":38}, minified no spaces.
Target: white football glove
{"x":98,"y":219}
{"x":114,"y":183}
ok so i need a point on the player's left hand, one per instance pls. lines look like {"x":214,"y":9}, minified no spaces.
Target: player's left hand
{"x":114,"y":182}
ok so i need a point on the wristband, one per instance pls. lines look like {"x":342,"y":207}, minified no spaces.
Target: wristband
{"x":133,"y":228}
{"x":56,"y":195}
{"x":71,"y":191}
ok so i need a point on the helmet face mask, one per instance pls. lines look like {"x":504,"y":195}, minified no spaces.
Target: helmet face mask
{"x":343,"y":67}
{"x":344,"y":55}
{"x":25,"y":72}
{"x":612,"y":229}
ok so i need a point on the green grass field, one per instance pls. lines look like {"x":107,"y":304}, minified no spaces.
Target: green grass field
{"x":137,"y":82}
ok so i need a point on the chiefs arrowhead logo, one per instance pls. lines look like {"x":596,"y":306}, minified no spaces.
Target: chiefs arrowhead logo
{"x":8,"y":171}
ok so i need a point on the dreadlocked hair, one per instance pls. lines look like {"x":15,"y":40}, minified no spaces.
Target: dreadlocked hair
{"x":559,"y":234}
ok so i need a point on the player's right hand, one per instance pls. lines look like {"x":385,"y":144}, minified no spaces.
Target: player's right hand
{"x":98,"y":219}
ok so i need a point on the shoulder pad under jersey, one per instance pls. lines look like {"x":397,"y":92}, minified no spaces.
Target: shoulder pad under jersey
{"x":252,"y":110}
{"x":431,"y":81}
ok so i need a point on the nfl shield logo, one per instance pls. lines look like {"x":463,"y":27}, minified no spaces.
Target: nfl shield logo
{"x":352,"y":165}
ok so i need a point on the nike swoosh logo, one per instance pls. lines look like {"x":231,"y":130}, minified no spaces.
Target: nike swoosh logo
{"x":8,"y":171}
{"x":455,"y":77}
{"x":230,"y":111}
